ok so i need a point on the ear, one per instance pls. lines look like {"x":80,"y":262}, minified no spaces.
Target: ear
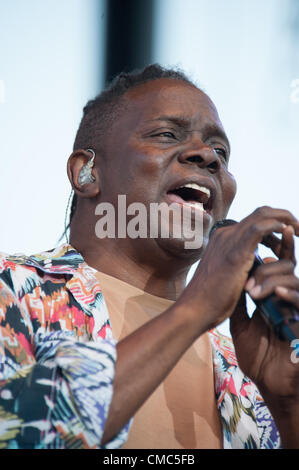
{"x":75,"y":163}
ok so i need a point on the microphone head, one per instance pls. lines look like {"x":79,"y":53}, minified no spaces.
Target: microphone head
{"x":222,"y":223}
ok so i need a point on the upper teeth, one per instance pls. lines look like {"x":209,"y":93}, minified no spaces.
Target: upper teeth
{"x":196,"y":186}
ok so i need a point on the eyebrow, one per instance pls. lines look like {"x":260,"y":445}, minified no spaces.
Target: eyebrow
{"x":178,"y":120}
{"x":210,"y":130}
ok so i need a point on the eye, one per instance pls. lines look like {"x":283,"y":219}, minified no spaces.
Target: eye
{"x":222,"y":152}
{"x":168,"y":134}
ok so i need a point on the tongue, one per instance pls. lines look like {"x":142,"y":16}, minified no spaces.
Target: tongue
{"x":173,"y":197}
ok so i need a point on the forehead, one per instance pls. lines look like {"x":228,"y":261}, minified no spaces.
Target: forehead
{"x":170,"y":97}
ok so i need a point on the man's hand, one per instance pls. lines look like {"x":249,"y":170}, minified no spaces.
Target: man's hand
{"x":261,"y":355}
{"x":221,"y":275}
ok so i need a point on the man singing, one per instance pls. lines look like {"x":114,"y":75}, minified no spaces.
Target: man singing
{"x":102,"y":343}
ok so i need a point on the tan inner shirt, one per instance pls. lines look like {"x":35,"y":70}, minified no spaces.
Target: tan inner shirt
{"x":181,"y":413}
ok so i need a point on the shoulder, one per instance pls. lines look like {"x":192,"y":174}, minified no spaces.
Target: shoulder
{"x":15,"y":270}
{"x":64,"y":256}
{"x":22,"y":272}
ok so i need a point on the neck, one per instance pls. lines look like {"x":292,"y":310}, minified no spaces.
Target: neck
{"x":152,"y":270}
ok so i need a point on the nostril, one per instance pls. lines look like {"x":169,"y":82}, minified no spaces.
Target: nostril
{"x":195,"y":159}
{"x":214,"y":165}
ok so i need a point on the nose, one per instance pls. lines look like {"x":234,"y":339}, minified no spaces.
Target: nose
{"x":203,"y":156}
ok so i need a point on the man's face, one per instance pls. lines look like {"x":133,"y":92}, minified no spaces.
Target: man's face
{"x":169,"y":135}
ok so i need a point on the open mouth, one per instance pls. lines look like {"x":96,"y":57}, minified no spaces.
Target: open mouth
{"x":193,"y":195}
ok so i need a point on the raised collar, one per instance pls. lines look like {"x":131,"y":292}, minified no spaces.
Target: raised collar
{"x":80,"y":278}
{"x":62,"y":259}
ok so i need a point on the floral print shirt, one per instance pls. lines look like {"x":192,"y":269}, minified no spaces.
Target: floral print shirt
{"x":57,"y":362}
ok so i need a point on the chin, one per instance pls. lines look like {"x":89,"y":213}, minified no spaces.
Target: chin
{"x":176,"y":247}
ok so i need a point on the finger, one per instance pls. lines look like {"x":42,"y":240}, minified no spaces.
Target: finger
{"x":271,"y":268}
{"x":266,"y":212}
{"x":260,"y":229}
{"x":273,"y":242}
{"x":284,"y":266}
{"x":287,"y":249}
{"x":268,"y":287}
{"x":283,"y":248}
{"x":290,"y":295}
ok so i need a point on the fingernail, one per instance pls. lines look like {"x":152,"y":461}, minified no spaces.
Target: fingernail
{"x":250,"y":283}
{"x":292,"y":229}
{"x":281,"y":290}
{"x":255,"y":291}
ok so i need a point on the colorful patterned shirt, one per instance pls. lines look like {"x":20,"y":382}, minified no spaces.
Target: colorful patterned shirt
{"x":58,"y":357}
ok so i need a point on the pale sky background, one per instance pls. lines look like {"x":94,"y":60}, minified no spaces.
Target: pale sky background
{"x":245,"y":54}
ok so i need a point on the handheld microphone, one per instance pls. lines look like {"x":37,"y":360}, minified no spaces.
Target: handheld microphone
{"x":281,"y":315}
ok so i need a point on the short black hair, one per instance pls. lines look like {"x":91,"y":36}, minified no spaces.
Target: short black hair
{"x":100,"y":112}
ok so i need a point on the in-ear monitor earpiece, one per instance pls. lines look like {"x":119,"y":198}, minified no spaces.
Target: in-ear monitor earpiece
{"x":85,"y":175}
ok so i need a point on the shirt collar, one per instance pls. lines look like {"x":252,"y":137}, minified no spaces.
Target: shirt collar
{"x":80,"y":280}
{"x":63,"y":259}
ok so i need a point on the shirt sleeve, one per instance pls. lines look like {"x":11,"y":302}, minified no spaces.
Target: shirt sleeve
{"x":55,"y":392}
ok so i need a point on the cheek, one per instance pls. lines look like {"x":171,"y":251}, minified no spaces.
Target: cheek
{"x":229,"y":188}
{"x":142,"y":160}
{"x":145,"y":167}
{"x":150,"y":163}
{"x":139,"y":176}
